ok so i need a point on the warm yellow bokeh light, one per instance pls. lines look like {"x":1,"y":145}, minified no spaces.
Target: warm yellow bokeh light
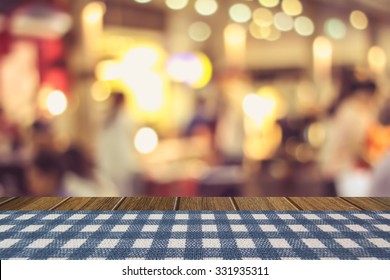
{"x":206,"y":7}
{"x":292,"y":7}
{"x":274,"y":34}
{"x":146,"y":140}
{"x":141,"y":58}
{"x":304,"y":26}
{"x":240,"y":13}
{"x":377,"y":59}
{"x":258,"y":107}
{"x":358,"y":20}
{"x":269,"y":3}
{"x":322,"y":48}
{"x":263,"y":17}
{"x":259,"y":32}
{"x":100,"y":91}
{"x":316,"y":134}
{"x":142,"y":1}
{"x":176,"y":4}
{"x":199,"y":31}
{"x":235,"y":34}
{"x":108,"y":70}
{"x":56,"y":102}
{"x":93,"y":12}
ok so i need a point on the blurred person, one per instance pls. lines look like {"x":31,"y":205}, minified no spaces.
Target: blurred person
{"x":81,"y":178}
{"x":379,"y":141}
{"x":44,"y":175}
{"x":342,"y":157}
{"x":116,"y":155}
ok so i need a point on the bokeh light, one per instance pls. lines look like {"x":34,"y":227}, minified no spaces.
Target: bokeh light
{"x":142,"y":1}
{"x":94,"y":11}
{"x":358,"y":20}
{"x":100,"y":91}
{"x":263,"y":17}
{"x":240,"y":13}
{"x":322,"y":48}
{"x":335,"y":28}
{"x":259,"y":32}
{"x":292,"y":7}
{"x":377,"y":59}
{"x":108,"y":70}
{"x":235,"y":34}
{"x":283,"y":22}
{"x":146,"y":140}
{"x":199,"y":31}
{"x":304,"y":26}
{"x":176,"y":4}
{"x":206,"y":7}
{"x":56,"y":102}
{"x":269,"y":3}
{"x":194,"y":69}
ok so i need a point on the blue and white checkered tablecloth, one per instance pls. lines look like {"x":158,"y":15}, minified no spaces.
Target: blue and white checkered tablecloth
{"x":194,"y":235}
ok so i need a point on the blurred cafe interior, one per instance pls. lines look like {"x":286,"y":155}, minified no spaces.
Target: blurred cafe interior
{"x":194,"y":98}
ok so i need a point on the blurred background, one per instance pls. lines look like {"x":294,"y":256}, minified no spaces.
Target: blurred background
{"x":194,"y":97}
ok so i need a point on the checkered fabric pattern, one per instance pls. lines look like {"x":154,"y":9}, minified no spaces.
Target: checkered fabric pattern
{"x":194,"y":235}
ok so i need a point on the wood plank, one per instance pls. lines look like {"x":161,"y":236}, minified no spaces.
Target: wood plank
{"x":89,"y":203}
{"x":367,"y":203}
{"x":2,"y":199}
{"x":383,"y":200}
{"x":322,"y":203}
{"x":148,"y":203}
{"x":263,"y":203}
{"x":31,"y":203}
{"x":205,"y":203}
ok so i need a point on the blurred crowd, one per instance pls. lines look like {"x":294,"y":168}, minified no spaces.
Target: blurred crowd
{"x":354,"y":159}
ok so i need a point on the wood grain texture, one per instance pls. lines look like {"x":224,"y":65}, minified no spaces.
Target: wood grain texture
{"x":205,"y":203}
{"x":4,"y":200}
{"x":263,"y":203}
{"x":147,"y":203}
{"x":31,"y":203}
{"x":322,"y":203}
{"x":88,"y":203}
{"x":367,"y":203}
{"x":382,"y":200}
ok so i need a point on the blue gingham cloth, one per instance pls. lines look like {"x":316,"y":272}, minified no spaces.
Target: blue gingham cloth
{"x":194,"y":235}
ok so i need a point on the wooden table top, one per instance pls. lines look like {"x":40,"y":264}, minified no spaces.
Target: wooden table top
{"x":193,"y":203}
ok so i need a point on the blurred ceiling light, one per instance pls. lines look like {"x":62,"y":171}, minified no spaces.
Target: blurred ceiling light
{"x":108,"y":70}
{"x":377,"y":59}
{"x":335,"y":28}
{"x":94,"y":12}
{"x":258,"y":107}
{"x":259,"y":32}
{"x":274,"y":34}
{"x":100,"y":91}
{"x":292,"y":7}
{"x":146,"y":140}
{"x":235,"y":34}
{"x":358,"y":20}
{"x":176,"y":4}
{"x":206,"y":7}
{"x":192,"y":69}
{"x":304,"y":26}
{"x":269,"y":3}
{"x":148,"y":90}
{"x":240,"y":13}
{"x":56,"y":102}
{"x":283,"y":22}
{"x":199,"y":31}
{"x":322,"y":48}
{"x":316,"y":134}
{"x":142,"y":1}
{"x":40,"y":21}
{"x":141,"y":58}
{"x":263,"y":17}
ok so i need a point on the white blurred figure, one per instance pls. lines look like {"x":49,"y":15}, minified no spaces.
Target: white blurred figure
{"x":342,"y":155}
{"x":116,"y":155}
